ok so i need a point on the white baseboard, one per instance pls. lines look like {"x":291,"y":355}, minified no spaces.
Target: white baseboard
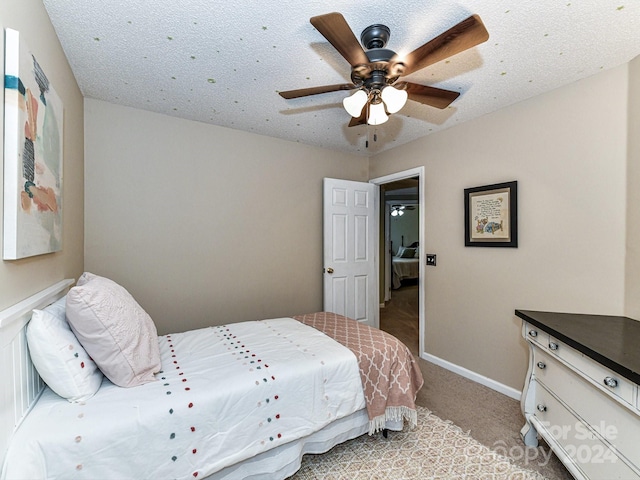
{"x":476,"y":377}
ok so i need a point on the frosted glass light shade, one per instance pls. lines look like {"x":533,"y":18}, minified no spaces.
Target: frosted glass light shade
{"x":377,"y":115}
{"x":353,"y":104}
{"x":393,"y":98}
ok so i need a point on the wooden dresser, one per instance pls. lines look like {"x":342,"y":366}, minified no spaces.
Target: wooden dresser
{"x":581,"y":394}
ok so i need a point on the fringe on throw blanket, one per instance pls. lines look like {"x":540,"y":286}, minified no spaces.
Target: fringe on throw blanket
{"x":393,"y":414}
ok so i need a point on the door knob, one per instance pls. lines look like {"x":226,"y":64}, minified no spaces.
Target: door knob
{"x":329,"y":270}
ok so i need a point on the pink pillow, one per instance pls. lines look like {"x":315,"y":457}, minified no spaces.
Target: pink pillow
{"x":115,"y":331}
{"x":84,"y":278}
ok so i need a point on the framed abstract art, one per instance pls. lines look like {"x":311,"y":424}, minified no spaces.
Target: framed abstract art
{"x":33,"y":134}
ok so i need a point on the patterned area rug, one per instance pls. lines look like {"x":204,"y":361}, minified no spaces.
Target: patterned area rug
{"x":436,"y":449}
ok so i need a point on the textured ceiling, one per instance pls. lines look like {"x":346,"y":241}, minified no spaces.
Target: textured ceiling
{"x":225,"y":62}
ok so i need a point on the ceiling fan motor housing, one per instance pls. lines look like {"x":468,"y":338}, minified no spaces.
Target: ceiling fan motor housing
{"x":375,"y":36}
{"x":379,"y":71}
{"x":375,"y":74}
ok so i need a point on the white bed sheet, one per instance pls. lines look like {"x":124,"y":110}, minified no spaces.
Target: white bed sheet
{"x":404,"y":268}
{"x":274,"y":381}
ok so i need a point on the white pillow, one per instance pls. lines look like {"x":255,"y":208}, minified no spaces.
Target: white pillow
{"x":58,"y":356}
{"x":117,"y":333}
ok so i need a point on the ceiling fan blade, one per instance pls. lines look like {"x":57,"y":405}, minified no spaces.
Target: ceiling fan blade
{"x":304,"y":92}
{"x":435,"y":97}
{"x":461,"y":37}
{"x":334,"y":28}
{"x":361,"y":120}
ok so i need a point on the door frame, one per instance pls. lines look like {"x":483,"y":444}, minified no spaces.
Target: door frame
{"x":413,"y":172}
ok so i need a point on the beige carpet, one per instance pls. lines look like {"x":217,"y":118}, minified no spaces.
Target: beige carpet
{"x":436,"y":449}
{"x":491,"y":418}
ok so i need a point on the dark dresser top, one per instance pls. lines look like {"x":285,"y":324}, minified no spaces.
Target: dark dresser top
{"x":610,"y":340}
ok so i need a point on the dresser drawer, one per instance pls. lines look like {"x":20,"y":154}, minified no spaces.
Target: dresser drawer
{"x":535,"y":335}
{"x":592,"y":456}
{"x":616,"y":423}
{"x":599,"y":374}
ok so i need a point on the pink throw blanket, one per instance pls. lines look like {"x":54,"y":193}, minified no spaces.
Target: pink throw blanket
{"x":390,"y":374}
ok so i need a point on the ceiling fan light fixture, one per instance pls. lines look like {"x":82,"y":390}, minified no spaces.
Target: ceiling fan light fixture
{"x":393,"y":98}
{"x":377,"y":115}
{"x":355,"y":103}
{"x":397,"y":211}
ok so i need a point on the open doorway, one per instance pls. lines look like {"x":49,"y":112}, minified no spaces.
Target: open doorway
{"x":400,"y":257}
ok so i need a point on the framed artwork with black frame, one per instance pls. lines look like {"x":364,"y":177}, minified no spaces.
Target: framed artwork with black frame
{"x":491,"y":215}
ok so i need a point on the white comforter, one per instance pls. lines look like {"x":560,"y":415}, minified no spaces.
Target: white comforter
{"x":225,"y":394}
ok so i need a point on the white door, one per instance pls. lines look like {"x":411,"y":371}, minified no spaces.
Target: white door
{"x":350,"y":242}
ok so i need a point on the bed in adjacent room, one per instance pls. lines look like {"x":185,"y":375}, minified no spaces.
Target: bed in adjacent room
{"x":405,"y":265}
{"x":107,"y":398}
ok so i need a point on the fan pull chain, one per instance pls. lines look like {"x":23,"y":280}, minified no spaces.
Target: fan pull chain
{"x":375,"y":136}
{"x":366,"y":143}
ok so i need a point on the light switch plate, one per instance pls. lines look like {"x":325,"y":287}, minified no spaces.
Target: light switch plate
{"x":431,"y":259}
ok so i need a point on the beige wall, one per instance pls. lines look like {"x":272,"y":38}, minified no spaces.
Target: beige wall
{"x":567,"y":150}
{"x":21,"y":278}
{"x":202,"y":224}
{"x":632,"y":295}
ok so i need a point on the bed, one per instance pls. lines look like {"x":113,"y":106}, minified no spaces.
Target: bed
{"x":405,"y":265}
{"x":243,"y":400}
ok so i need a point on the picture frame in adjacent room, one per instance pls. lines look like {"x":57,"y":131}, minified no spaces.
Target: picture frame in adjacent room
{"x":491,"y":215}
{"x":33,"y":136}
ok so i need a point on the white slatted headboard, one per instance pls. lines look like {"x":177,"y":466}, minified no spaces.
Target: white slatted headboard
{"x":20,"y":383}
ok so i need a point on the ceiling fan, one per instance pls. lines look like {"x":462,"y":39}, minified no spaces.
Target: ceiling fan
{"x":398,"y":210}
{"x":375,"y":72}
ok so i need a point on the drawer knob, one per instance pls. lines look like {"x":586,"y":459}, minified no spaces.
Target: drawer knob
{"x":541,"y":407}
{"x":553,"y":346}
{"x":610,"y":382}
{"x":533,"y":333}
{"x":542,"y":365}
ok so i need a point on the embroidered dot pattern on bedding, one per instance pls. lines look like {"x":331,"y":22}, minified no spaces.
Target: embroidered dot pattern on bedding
{"x":183,"y":385}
